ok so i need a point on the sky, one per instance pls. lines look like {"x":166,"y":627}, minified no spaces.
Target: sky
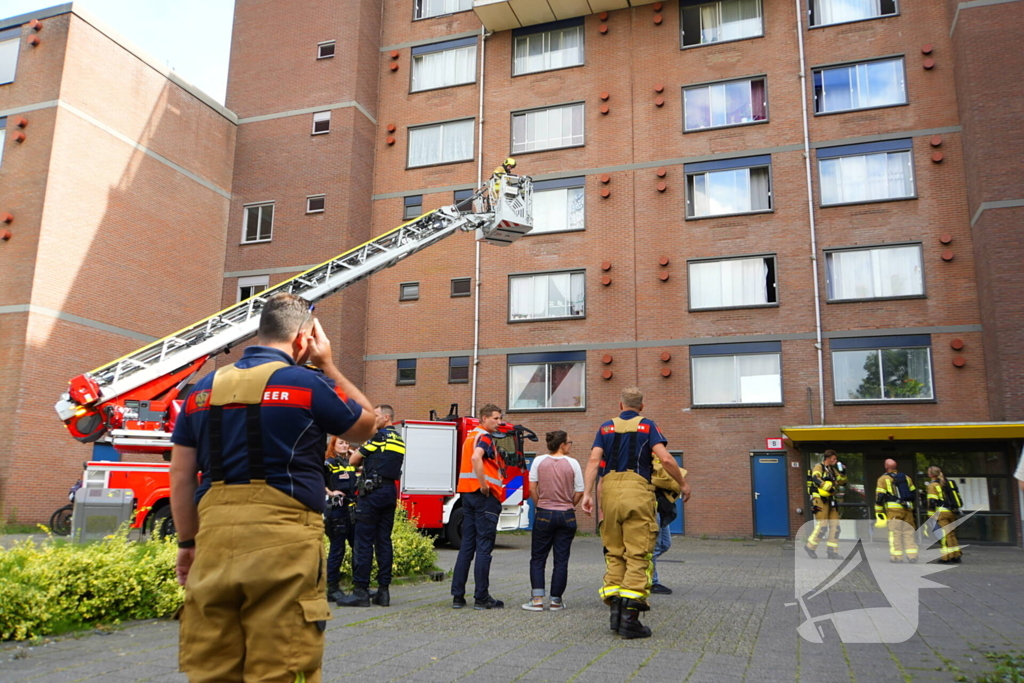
{"x":192,"y":37}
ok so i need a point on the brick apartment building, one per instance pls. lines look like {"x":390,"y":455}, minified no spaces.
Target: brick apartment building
{"x":863,"y":297}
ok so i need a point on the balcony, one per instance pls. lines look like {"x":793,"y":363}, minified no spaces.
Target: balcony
{"x":502,"y":15}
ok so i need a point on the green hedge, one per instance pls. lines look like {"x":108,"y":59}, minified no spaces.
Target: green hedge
{"x":57,"y":586}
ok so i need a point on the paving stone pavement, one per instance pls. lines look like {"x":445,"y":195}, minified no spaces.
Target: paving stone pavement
{"x":731,"y":618}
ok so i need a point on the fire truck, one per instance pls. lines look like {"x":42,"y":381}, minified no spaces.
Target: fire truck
{"x":132,"y":403}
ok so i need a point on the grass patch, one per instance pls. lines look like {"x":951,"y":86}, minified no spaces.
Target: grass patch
{"x":1009,"y":668}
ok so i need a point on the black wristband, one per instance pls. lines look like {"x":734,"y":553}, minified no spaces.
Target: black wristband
{"x":187,"y":544}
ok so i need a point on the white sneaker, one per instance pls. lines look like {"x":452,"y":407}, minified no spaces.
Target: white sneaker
{"x":535,"y":605}
{"x":557,"y":604}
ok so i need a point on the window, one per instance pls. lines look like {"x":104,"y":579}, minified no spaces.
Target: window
{"x":10,"y":44}
{"x":462,"y":198}
{"x":548,"y":295}
{"x":859,"y":86}
{"x":732,"y":283}
{"x":3,"y":137}
{"x":725,"y":104}
{"x":444,"y":64}
{"x":882,"y":368}
{"x":409,"y":291}
{"x":435,"y":8}
{"x":325,"y":50}
{"x":558,"y":205}
{"x":873,"y":172}
{"x":458,"y":369}
{"x":877,"y":273}
{"x":729,"y":374}
{"x":719,"y":188}
{"x":720,"y":21}
{"x":406,"y":371}
{"x":462,"y":286}
{"x":547,"y":128}
{"x":442,"y":143}
{"x":251,"y":286}
{"x":259,"y":223}
{"x":839,"y":11}
{"x":412,"y":207}
{"x":315,"y":203}
{"x":321,"y":122}
{"x":548,"y":46}
{"x":547,"y":381}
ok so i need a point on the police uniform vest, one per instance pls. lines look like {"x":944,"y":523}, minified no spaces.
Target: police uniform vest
{"x":624,"y":430}
{"x":494,"y":465}
{"x":384,"y":454}
{"x":341,"y":476}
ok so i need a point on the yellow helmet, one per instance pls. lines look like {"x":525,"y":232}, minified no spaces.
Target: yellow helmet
{"x":509,"y":163}
{"x":825,"y":489}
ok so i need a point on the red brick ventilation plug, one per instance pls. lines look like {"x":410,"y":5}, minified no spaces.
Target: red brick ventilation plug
{"x":34,"y":41}
{"x":5,"y":235}
{"x":35,"y":25}
{"x":19,"y":121}
{"x":6,"y":218}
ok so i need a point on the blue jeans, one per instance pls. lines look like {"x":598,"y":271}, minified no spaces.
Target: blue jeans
{"x":661,"y":545}
{"x":553,"y":530}
{"x":479,"y":530}
{"x":375,"y":518}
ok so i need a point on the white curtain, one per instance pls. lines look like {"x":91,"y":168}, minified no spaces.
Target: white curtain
{"x":736,"y":282}
{"x":567,"y":385}
{"x":444,"y":68}
{"x":730,"y":20}
{"x":433,"y":8}
{"x":3,"y":139}
{"x":714,"y":380}
{"x":871,"y":273}
{"x":440,"y":144}
{"x":760,"y":380}
{"x":837,"y":11}
{"x":549,"y":50}
{"x":698,"y":108}
{"x":867,"y":177}
{"x":424,"y":146}
{"x":548,"y":128}
{"x":754,"y":378}
{"x":557,"y":210}
{"x":527,"y":386}
{"x":9,"y":59}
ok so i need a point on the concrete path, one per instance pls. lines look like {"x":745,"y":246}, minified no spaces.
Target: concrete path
{"x":728,"y":620}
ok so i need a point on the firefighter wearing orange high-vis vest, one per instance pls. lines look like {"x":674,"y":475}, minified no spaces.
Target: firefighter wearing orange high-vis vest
{"x":823,"y":482}
{"x":894,"y":509}
{"x":944,"y":502}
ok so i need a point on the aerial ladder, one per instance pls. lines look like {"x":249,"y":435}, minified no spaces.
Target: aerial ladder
{"x":133,"y":402}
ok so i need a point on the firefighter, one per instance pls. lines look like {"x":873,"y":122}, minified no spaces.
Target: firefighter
{"x":251,"y":551}
{"x":481,"y":489}
{"x":376,"y":502}
{"x":340,"y":484}
{"x":623,"y":457}
{"x":822,"y":484}
{"x":944,"y":502}
{"x":894,"y":509}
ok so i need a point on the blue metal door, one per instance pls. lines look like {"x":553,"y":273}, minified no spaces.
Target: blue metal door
{"x":771,"y":509}
{"x":678,"y":525}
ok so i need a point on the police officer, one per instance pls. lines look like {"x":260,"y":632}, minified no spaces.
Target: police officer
{"x":340,"y":484}
{"x":251,"y":552}
{"x":623,"y":456}
{"x":382,"y":459}
{"x":823,"y":482}
{"x":944,"y":502}
{"x":894,"y":509}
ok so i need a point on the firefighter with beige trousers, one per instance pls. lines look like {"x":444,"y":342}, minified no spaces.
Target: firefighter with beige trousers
{"x":822,"y":483}
{"x":894,"y":510}
{"x":945,"y":503}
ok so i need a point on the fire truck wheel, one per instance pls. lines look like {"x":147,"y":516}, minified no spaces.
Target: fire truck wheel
{"x":161,"y":524}
{"x":453,"y":529}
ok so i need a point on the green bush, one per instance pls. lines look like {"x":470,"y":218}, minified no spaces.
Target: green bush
{"x":414,"y":552}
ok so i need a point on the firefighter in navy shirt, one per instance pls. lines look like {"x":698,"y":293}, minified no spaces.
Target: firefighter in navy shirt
{"x":340,"y":485}
{"x":623,"y":456}
{"x":251,"y":553}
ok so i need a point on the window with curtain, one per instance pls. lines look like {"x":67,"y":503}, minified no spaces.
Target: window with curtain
{"x":10,"y":44}
{"x":406,"y":371}
{"x":739,"y":378}
{"x":251,"y":286}
{"x":731,"y":283}
{"x":443,"y":65}
{"x":859,"y":86}
{"x":886,"y":374}
{"x":258,"y":223}
{"x":442,"y":143}
{"x":458,"y":370}
{"x":716,"y":22}
{"x":548,"y":295}
{"x":547,"y":128}
{"x":558,"y":205}
{"x":839,"y":11}
{"x":866,"y":177}
{"x":725,"y":104}
{"x":879,"y":273}
{"x":3,"y":137}
{"x":547,"y":50}
{"x":436,"y":8}
{"x":728,"y":191}
{"x":547,"y":381}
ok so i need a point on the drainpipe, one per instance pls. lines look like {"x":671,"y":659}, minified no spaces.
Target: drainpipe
{"x":810,"y":214}
{"x":479,"y":181}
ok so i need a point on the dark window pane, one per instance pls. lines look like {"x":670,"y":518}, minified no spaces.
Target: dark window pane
{"x":325,"y":50}
{"x":462,"y":287}
{"x":314,"y":204}
{"x":266,"y":221}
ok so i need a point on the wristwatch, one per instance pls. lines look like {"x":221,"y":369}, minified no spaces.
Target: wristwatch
{"x":191,"y":543}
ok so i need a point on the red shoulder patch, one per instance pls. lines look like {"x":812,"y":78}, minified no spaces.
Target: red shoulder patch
{"x":341,"y":394}
{"x":608,"y":429}
{"x":197,"y":400}
{"x":291,"y":397}
{"x":643,"y":427}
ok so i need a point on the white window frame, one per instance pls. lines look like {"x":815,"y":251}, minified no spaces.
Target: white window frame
{"x":10,"y":46}
{"x":245,"y":220}
{"x":320,"y":46}
{"x":309,"y":201}
{"x":545,"y":37}
{"x":682,"y":34}
{"x":883,"y":399}
{"x":577,"y":278}
{"x":736,"y":377}
{"x":3,"y":137}
{"x":887,"y":154}
{"x":814,"y":11}
{"x":819,"y":73}
{"x":320,"y":117}
{"x":693,"y":280}
{"x":716,"y":96}
{"x":691,"y":194}
{"x":575,"y":138}
{"x":443,"y":126}
{"x":460,"y":6}
{"x":876,"y":272}
{"x":569,"y":191}
{"x":419,"y":60}
{"x":253,"y":281}
{"x":547,"y":386}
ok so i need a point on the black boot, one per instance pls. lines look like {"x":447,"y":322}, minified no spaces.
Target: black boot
{"x":810,"y":552}
{"x":833,"y":555}
{"x":616,"y":611}
{"x":382,"y":597}
{"x":334,"y":592}
{"x":629,"y":622}
{"x":359,"y":597}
